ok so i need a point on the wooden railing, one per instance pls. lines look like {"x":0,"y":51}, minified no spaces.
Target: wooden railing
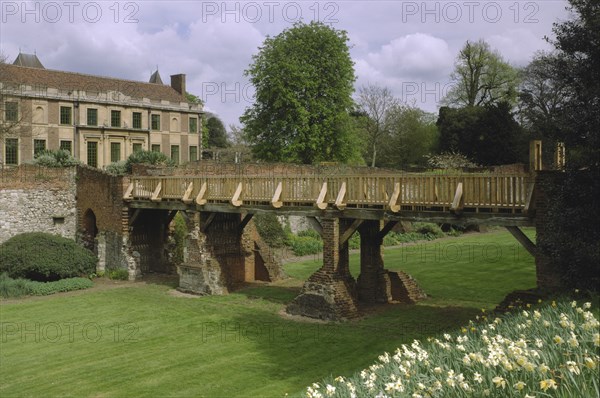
{"x":394,"y":192}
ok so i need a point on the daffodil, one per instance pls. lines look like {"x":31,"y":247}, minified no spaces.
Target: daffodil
{"x":499,"y":382}
{"x":519,"y":385}
{"x":547,"y":384}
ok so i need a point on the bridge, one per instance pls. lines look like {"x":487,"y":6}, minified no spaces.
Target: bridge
{"x":219,"y":206}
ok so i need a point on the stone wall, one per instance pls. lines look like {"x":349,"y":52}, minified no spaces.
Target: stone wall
{"x":37,"y":199}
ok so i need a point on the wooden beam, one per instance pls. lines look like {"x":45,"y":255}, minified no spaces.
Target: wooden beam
{"x":275,"y":202}
{"x":155,"y":195}
{"x":200,"y":201}
{"x":316,"y":225}
{"x":171,"y":216}
{"x":386,"y":228}
{"x":235,"y":200}
{"x":187,"y":196}
{"x":459,"y":201}
{"x":339,"y":201}
{"x":348,"y":232}
{"x":134,"y":216}
{"x":529,"y":203}
{"x":320,"y":203}
{"x":522,"y":239}
{"x":127,"y":196}
{"x":207,"y":223}
{"x":245,"y":221}
{"x":393,"y":203}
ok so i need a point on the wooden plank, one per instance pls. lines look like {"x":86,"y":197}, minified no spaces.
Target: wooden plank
{"x":316,"y":225}
{"x":275,"y":201}
{"x":339,"y":201}
{"x":200,"y":200}
{"x":134,"y":216}
{"x":235,"y":200}
{"x":127,"y":196}
{"x":386,"y":228}
{"x":206,"y":224}
{"x":155,"y":195}
{"x":522,"y":239}
{"x":320,"y":203}
{"x":393,"y":203}
{"x":458,"y":202}
{"x":187,"y":196}
{"x":529,"y":202}
{"x":245,"y":221}
{"x":351,"y":229}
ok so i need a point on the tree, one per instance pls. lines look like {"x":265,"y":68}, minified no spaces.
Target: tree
{"x":376,"y":103}
{"x":481,"y":77}
{"x":217,"y":136}
{"x":304,"y":81}
{"x":412,"y":135}
{"x":487,"y":135}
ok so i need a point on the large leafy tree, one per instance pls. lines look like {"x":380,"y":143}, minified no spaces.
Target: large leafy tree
{"x":304,"y":81}
{"x":217,"y":136}
{"x":481,"y":77}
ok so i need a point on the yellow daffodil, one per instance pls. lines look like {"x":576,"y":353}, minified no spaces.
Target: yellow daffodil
{"x":519,"y":385}
{"x":547,"y":384}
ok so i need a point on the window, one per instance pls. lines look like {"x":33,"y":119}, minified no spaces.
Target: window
{"x":115,"y":118}
{"x":193,"y":125}
{"x":115,"y":151}
{"x":92,"y":117}
{"x":38,"y":146}
{"x":92,"y":154}
{"x":155,"y":147}
{"x":11,"y":151}
{"x":11,"y":111}
{"x":137,"y":147}
{"x":67,"y":146}
{"x":193,"y":153}
{"x":175,"y":153}
{"x":155,"y":122}
{"x":136,"y":123}
{"x":66,"y":114}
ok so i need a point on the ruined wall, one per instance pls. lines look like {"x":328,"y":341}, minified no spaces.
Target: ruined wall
{"x":37,"y":199}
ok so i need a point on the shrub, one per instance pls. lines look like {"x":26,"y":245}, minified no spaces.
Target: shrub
{"x":45,"y":257}
{"x":429,"y":230}
{"x":117,"y":168}
{"x":118,"y":274}
{"x":450,"y":160}
{"x":179,"y":233}
{"x":148,"y":157}
{"x":311,"y":233}
{"x":354,"y":241}
{"x":305,"y":245}
{"x":269,"y":228}
{"x":58,"y":158}
{"x":23,"y":287}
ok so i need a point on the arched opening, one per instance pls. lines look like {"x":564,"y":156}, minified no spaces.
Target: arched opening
{"x":38,"y":115}
{"x":89,"y":230}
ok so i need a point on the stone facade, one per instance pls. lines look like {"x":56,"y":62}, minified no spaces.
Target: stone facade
{"x":35,"y":199}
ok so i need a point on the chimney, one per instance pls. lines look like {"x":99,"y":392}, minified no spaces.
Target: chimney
{"x":178,"y":83}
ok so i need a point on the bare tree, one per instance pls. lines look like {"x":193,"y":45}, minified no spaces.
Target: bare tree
{"x":376,"y":104}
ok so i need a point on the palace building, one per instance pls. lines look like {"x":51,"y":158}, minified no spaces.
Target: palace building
{"x":99,"y":120}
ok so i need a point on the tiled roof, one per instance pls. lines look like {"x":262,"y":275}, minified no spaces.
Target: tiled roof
{"x":155,"y":78}
{"x":78,"y":81}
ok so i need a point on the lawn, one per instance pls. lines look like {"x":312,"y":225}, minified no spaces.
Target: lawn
{"x":140,"y":340}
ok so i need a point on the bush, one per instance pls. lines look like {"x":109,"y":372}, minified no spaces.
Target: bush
{"x":270,"y":230}
{"x":148,"y":157}
{"x":429,"y":231}
{"x":118,"y":274}
{"x":58,"y":158}
{"x":23,"y":287}
{"x":45,"y":257}
{"x":117,"y":168}
{"x":311,"y":233}
{"x":305,"y":245}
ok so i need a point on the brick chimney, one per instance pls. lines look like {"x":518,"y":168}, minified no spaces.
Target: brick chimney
{"x":178,"y":83}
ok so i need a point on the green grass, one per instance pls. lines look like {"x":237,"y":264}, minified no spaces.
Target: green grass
{"x":154,"y":344}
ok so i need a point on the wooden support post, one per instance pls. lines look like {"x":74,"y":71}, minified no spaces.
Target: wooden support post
{"x":207,"y":223}
{"x":321,"y":203}
{"x":393,"y":203}
{"x":245,"y":221}
{"x":348,"y":232}
{"x":200,"y":200}
{"x":529,"y":202}
{"x":339,"y":201}
{"x":386,"y":228}
{"x":235,"y":200}
{"x":275,"y":201}
{"x":187,"y":196}
{"x":316,"y":225}
{"x":458,"y":202}
{"x":127,"y":196}
{"x":535,"y":155}
{"x":171,"y":216}
{"x":523,"y":239}
{"x":559,"y":156}
{"x":155,"y":195}
{"x":134,"y":217}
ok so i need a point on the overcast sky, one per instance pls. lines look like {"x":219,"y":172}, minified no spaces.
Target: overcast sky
{"x":408,"y":46}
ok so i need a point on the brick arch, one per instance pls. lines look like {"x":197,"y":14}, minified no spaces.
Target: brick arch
{"x":89,"y":229}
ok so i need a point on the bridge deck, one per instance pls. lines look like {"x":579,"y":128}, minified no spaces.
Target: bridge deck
{"x":501,"y":199}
